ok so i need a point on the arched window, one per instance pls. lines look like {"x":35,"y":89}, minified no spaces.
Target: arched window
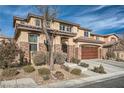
{"x":113,"y":39}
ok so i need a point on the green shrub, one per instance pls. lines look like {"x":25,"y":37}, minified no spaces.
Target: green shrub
{"x":59,"y":75}
{"x":28,"y":69}
{"x":44,"y":71}
{"x":76,"y":71}
{"x":40,"y":58}
{"x":84,"y":64}
{"x":75,"y":60}
{"x":46,"y":77}
{"x":10,"y":72}
{"x":59,"y":57}
{"x":99,"y":69}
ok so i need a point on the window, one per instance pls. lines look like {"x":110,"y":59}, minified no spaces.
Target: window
{"x":62,"y":27}
{"x":86,"y":34}
{"x":33,"y":47}
{"x":97,"y":38}
{"x":48,"y":24}
{"x":68,"y":28}
{"x":33,"y":42}
{"x":37,"y":22}
{"x":22,"y":22}
{"x":32,"y":38}
{"x":113,"y":39}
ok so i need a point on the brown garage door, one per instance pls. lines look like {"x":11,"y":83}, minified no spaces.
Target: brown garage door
{"x":89,"y":52}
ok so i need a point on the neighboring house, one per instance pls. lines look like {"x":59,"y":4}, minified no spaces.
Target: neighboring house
{"x":69,"y":37}
{"x":117,"y":48}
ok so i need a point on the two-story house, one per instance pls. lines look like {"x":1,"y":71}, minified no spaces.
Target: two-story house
{"x":69,"y":37}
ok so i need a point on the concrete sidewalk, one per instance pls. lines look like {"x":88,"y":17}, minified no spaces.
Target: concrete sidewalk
{"x":84,"y":81}
{"x":19,"y":83}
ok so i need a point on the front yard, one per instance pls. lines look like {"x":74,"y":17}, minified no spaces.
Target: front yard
{"x":67,"y":74}
{"x":39,"y":79}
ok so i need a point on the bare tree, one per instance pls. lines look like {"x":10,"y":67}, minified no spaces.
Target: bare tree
{"x":49,"y":14}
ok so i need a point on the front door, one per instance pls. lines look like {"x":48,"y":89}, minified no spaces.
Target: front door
{"x":33,"y":50}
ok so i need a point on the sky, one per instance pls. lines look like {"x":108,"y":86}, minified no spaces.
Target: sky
{"x":100,"y":19}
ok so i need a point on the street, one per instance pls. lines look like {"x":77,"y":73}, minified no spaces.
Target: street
{"x":113,"y":83}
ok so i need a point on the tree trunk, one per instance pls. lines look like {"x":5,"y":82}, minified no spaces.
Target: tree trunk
{"x":51,"y":54}
{"x":50,"y":44}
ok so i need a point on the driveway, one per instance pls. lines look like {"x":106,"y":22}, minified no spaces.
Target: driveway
{"x":113,"y":83}
{"x":109,"y":65}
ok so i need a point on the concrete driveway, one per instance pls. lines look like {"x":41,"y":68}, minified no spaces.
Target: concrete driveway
{"x":109,"y":65}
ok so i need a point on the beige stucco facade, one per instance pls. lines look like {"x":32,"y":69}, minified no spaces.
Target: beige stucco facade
{"x":22,"y":31}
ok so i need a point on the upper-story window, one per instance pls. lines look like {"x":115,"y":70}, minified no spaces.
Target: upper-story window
{"x":69,"y":28}
{"x":22,"y":22}
{"x":48,"y":24}
{"x":37,"y":22}
{"x":97,"y":38}
{"x":33,"y":38}
{"x":113,"y":39}
{"x":64,"y":27}
{"x":86,"y":34}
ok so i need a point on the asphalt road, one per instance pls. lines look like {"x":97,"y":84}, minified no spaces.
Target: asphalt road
{"x":113,"y":83}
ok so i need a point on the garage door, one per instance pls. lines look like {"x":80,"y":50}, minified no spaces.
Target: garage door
{"x":89,"y":52}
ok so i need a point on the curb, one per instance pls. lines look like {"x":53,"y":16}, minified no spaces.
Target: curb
{"x":75,"y":83}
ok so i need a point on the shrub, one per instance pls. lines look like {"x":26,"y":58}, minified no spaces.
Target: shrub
{"x":75,"y":60}
{"x":76,"y":71}
{"x":28,"y":69}
{"x":46,"y":77}
{"x":59,"y":57}
{"x":10,"y":72}
{"x":84,"y":64}
{"x":99,"y":69}
{"x":40,"y":58}
{"x":66,"y":68}
{"x":14,"y":65}
{"x":120,"y":60}
{"x":110,"y":55}
{"x":59,"y":75}
{"x":8,"y":53}
{"x":44,"y":71}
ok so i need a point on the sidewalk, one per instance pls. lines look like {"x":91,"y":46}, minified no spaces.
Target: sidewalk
{"x":19,"y":83}
{"x":30,"y":83}
{"x":84,"y":81}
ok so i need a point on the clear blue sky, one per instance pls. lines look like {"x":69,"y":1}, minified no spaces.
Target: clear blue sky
{"x":101,"y":19}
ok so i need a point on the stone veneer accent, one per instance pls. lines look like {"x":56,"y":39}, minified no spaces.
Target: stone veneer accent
{"x":25,"y":47}
{"x":78,"y":52}
{"x":71,"y":50}
{"x":57,"y":48}
{"x":42,"y":47}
